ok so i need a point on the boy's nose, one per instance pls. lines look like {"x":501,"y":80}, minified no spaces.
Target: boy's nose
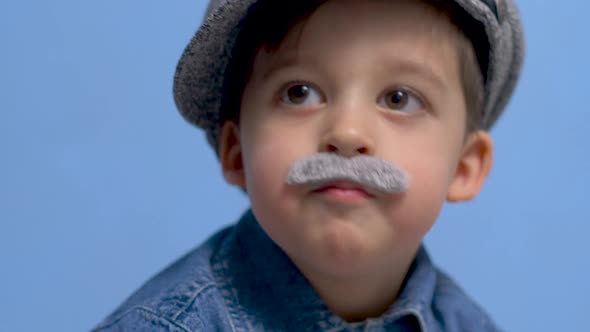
{"x":348,"y":137}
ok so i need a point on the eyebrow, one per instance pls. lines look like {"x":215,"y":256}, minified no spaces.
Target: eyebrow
{"x":407,"y":66}
{"x":288,"y":60}
{"x":396,"y":66}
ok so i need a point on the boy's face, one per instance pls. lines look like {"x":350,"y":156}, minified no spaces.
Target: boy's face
{"x":358,"y":77}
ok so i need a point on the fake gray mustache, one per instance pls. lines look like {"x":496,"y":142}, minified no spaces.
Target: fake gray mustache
{"x":370,"y":172}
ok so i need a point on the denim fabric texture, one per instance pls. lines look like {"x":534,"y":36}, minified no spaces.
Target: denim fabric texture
{"x":240,"y":280}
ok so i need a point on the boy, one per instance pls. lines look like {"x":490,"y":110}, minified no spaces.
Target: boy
{"x":348,"y":123}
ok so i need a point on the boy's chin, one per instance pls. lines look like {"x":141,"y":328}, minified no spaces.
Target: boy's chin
{"x":338,"y":238}
{"x":344,"y":248}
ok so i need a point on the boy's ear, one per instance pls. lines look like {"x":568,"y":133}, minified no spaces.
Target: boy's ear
{"x":230,"y":155}
{"x":473,"y":167}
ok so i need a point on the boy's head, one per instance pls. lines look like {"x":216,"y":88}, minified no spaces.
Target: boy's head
{"x":404,"y":81}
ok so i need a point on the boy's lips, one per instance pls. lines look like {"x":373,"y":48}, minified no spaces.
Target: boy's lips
{"x":344,"y":191}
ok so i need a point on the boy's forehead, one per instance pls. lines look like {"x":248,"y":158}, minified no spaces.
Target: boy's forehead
{"x":267,"y":65}
{"x":405,"y":35}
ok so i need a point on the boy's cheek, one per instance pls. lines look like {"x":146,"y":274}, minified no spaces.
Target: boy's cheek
{"x":266,"y":165}
{"x":419,"y":211}
{"x":269,"y":150}
{"x":418,"y":208}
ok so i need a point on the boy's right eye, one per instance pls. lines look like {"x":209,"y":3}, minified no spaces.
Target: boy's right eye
{"x":300,"y":94}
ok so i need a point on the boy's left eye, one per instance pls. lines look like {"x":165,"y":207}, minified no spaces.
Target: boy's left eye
{"x":401,"y":100}
{"x":300,"y":94}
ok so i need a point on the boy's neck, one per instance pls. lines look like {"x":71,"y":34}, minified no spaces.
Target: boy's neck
{"x":367,"y":296}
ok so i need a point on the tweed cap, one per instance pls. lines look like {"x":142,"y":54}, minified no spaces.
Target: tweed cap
{"x":200,"y":73}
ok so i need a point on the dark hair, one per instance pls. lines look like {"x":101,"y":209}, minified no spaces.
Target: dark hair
{"x":268,"y":22}
{"x":266,"y":25}
{"x":473,"y":58}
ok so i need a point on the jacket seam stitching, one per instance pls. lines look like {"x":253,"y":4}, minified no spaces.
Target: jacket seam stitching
{"x":140,"y":308}
{"x":192,"y":300}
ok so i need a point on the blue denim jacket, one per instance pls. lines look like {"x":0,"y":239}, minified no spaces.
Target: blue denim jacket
{"x":239,"y":280}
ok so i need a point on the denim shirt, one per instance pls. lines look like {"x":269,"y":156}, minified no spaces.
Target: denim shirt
{"x":240,"y":280}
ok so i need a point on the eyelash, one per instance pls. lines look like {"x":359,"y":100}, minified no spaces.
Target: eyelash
{"x":409,"y":90}
{"x":292,"y":83}
{"x":278,"y":98}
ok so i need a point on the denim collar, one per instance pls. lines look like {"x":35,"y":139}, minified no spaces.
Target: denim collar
{"x":264,"y":290}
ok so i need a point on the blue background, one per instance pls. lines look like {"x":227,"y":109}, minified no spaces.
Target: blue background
{"x":102,"y":183}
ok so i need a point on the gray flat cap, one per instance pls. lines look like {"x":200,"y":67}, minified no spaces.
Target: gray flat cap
{"x":199,"y":79}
